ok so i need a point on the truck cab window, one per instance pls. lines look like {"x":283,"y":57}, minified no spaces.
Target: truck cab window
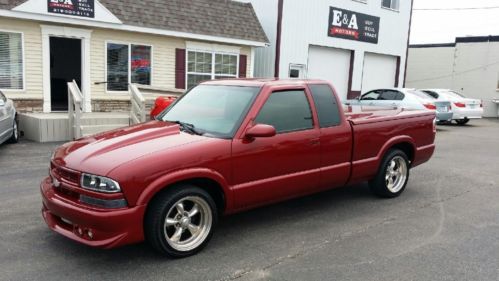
{"x":327,"y":107}
{"x":287,"y":111}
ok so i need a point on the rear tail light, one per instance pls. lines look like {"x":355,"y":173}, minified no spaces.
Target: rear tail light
{"x":430,"y":106}
{"x":459,"y":104}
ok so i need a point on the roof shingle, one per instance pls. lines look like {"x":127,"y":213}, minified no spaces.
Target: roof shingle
{"x":223,"y":18}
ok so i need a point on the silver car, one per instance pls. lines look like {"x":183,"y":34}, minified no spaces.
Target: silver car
{"x":407,"y":99}
{"x":8,"y":123}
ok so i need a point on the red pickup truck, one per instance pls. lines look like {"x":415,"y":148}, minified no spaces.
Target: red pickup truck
{"x":224,"y":147}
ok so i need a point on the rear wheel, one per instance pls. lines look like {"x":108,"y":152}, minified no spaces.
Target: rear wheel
{"x":180,"y":222}
{"x":15,"y":133}
{"x":462,"y":121}
{"x":392,"y":176}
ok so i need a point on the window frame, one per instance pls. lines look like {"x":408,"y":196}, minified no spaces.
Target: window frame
{"x":391,"y":6}
{"x":129,"y":44}
{"x":309,"y":102}
{"x":213,"y":60}
{"x":23,"y":57}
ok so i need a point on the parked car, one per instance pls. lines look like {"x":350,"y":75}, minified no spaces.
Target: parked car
{"x":8,"y":122}
{"x":160,"y":104}
{"x":407,"y":99}
{"x":463,"y":108}
{"x":224,"y":147}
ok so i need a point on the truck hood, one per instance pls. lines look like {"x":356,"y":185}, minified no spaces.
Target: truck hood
{"x":100,"y":154}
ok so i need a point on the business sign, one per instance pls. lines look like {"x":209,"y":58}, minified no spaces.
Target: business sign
{"x":79,"y":8}
{"x":353,"y":26}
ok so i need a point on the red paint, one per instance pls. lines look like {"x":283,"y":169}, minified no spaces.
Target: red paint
{"x":161,"y":104}
{"x":250,"y":170}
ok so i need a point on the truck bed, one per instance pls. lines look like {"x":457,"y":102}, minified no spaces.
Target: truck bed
{"x":358,"y":114}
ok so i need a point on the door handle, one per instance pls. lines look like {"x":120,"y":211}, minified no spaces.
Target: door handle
{"x":315,"y":142}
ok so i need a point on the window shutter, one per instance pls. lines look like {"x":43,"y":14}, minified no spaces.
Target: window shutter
{"x":180,"y":68}
{"x":243,"y":62}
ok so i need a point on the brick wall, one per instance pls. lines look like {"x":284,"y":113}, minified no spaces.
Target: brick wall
{"x":28,"y":105}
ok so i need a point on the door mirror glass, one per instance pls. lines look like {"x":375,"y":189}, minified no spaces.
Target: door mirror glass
{"x":261,"y":131}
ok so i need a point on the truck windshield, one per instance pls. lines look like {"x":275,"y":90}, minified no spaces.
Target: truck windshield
{"x":213,"y":110}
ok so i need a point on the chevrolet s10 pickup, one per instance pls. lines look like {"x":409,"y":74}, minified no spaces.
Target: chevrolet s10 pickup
{"x":223,"y":147}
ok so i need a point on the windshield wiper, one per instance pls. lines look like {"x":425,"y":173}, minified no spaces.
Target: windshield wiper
{"x":187,"y":127}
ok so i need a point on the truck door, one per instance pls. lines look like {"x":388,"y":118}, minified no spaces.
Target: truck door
{"x":336,"y":137}
{"x":283,"y":166}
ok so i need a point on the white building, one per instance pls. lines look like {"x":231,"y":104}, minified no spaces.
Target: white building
{"x":357,"y":45}
{"x":470,"y":65}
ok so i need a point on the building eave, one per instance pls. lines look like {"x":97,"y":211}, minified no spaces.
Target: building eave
{"x":130,"y":28}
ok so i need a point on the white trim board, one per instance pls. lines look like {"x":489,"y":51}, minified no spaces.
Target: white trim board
{"x":131,"y":28}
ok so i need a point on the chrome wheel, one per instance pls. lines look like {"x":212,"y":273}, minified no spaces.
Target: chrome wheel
{"x":188,"y":223}
{"x":396,"y":174}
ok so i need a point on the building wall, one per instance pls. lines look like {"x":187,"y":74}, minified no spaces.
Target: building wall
{"x":163,"y":64}
{"x":305,"y":23}
{"x":471,"y":68}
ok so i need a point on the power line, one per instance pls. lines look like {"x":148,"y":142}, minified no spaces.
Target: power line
{"x":456,"y":9}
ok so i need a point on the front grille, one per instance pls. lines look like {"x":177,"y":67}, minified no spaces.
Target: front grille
{"x":70,"y":176}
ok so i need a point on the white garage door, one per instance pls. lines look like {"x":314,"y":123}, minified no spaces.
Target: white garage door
{"x":379,"y":72}
{"x":332,"y":65}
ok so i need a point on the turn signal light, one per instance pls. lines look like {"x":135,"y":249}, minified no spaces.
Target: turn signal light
{"x":459,"y":104}
{"x":430,"y":106}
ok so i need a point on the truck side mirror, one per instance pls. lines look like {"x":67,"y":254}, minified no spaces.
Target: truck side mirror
{"x":260,"y":131}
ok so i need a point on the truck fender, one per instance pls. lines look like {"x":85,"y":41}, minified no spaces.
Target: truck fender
{"x":392,"y":142}
{"x":182,"y":175}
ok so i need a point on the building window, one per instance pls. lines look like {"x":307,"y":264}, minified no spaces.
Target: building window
{"x":128,"y":63}
{"x":11,"y":61}
{"x":390,"y":4}
{"x":203,"y":66}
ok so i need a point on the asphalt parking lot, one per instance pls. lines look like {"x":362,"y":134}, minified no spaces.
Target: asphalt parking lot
{"x":445,"y":226}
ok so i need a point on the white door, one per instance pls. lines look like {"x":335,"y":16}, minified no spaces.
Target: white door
{"x":379,"y":72}
{"x":332,"y":65}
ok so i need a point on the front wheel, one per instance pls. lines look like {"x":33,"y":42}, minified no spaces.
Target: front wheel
{"x":180,"y":222}
{"x":15,"y":133}
{"x":392,"y":176}
{"x":462,"y":121}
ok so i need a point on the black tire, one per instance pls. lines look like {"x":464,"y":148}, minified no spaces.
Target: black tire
{"x":379,"y":185}
{"x":15,"y":133}
{"x":462,"y":121}
{"x":155,"y":222}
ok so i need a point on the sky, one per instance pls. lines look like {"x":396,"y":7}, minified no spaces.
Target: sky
{"x":443,"y":26}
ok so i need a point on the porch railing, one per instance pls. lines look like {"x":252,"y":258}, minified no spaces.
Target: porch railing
{"x":138,"y":106}
{"x":75,"y":109}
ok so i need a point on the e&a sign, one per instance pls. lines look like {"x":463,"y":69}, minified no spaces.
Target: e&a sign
{"x":79,"y":8}
{"x":353,"y":26}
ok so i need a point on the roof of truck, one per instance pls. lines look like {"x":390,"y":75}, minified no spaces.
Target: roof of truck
{"x":258,"y":82}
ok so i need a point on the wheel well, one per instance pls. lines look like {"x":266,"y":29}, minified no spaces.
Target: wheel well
{"x":212,"y":187}
{"x":407,"y":148}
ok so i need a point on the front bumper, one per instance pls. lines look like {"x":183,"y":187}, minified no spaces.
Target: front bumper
{"x":107,"y":228}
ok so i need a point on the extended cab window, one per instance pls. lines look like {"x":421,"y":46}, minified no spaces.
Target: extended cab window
{"x":327,"y":107}
{"x":287,"y":111}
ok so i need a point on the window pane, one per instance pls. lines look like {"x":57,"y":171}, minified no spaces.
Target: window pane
{"x":194,"y":79}
{"x":225,"y":64}
{"x":117,"y":67}
{"x":141,"y":64}
{"x":11,"y":61}
{"x":388,"y":95}
{"x":287,"y":111}
{"x":327,"y":107}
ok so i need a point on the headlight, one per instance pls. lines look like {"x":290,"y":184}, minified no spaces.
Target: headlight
{"x":98,"y":183}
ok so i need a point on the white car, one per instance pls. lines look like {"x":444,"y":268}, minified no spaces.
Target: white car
{"x":464,"y":108}
{"x":405,"y":98}
{"x":8,"y":124}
